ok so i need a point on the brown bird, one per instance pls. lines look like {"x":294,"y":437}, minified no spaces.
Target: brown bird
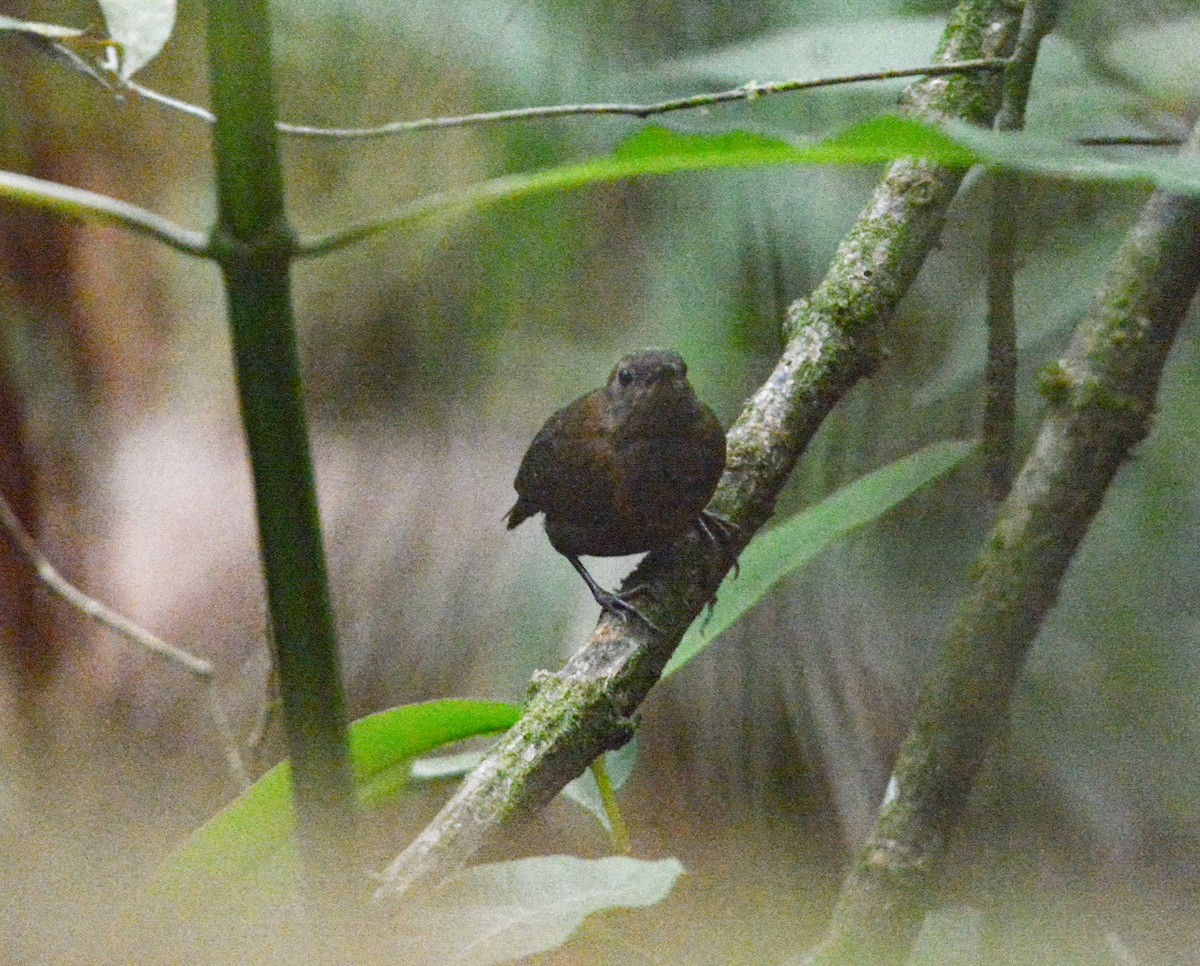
{"x":625,"y":469}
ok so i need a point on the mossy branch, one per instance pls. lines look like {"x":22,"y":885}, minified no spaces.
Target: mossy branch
{"x":1102,"y":398}
{"x":832,"y":340}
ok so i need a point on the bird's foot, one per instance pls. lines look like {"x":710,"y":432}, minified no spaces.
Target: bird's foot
{"x":618,"y":606}
{"x":615,"y":604}
{"x":720,"y":533}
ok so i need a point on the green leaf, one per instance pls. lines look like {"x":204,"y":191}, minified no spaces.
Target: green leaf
{"x":507,"y":910}
{"x":383,"y":745}
{"x":1160,"y":57}
{"x":794,"y":543}
{"x":141,"y":27}
{"x":872,"y":43}
{"x":244,"y":858}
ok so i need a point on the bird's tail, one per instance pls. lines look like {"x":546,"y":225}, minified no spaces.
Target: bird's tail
{"x":521,"y":511}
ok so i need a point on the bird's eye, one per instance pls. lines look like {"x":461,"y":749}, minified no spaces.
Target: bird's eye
{"x":624,"y":377}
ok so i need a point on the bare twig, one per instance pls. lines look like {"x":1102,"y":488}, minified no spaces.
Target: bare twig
{"x":998,"y":432}
{"x":1000,"y":401}
{"x":1132,"y":140}
{"x":747,"y":92}
{"x":123,"y":627}
{"x":833,"y":339}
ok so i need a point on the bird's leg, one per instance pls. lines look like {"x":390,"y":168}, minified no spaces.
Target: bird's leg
{"x":613,"y":603}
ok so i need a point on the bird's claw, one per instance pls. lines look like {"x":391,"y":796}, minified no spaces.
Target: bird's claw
{"x":720,"y":533}
{"x":618,"y":606}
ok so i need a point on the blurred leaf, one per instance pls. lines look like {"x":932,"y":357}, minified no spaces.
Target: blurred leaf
{"x":1068,"y":98}
{"x":1071,"y":99}
{"x":245,"y":857}
{"x":1163,"y":58}
{"x":820,"y":50}
{"x":1037,"y":154}
{"x":1057,"y":281}
{"x":507,"y":910}
{"x":584,"y":792}
{"x":658,"y":151}
{"x":846,"y":47}
{"x":952,"y":936}
{"x":794,"y":543}
{"x":141,"y":27}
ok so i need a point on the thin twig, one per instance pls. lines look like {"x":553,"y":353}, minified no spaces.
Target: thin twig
{"x":999,"y":431}
{"x":123,"y":627}
{"x":747,"y":92}
{"x":1000,"y":401}
{"x":1132,"y":141}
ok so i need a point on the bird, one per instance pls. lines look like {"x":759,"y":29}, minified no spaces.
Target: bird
{"x":624,"y":469}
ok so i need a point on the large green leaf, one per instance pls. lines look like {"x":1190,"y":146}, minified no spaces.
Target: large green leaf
{"x":507,"y":910}
{"x":244,"y":858}
{"x":793,"y":544}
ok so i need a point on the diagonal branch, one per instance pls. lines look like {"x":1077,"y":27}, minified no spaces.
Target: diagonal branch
{"x":833,"y":340}
{"x":1102,"y":399}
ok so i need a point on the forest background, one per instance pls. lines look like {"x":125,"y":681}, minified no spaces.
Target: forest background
{"x":431,"y":355}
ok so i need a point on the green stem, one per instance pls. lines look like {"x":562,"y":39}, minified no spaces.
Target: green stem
{"x":253,"y":242}
{"x":619,"y":831}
